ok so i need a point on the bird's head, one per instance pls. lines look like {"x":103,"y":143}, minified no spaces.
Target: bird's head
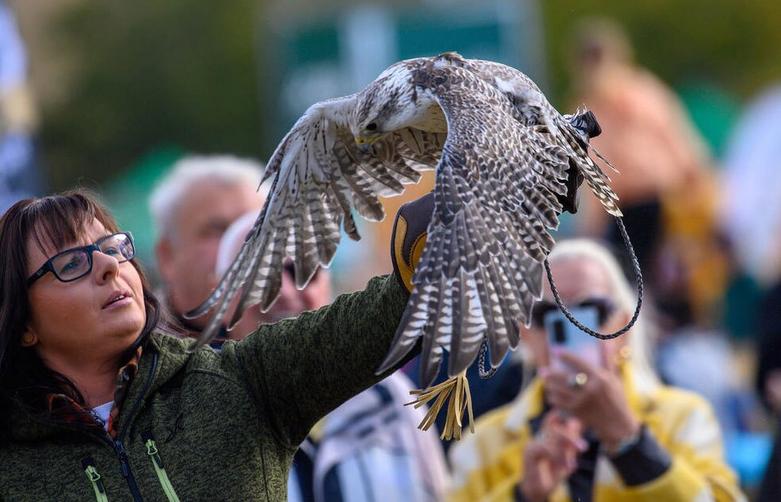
{"x":387,"y":104}
{"x":585,"y":126}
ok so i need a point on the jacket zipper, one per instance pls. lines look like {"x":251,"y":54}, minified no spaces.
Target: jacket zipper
{"x":157,"y":462}
{"x":119,"y":447}
{"x":95,"y":479}
{"x":126,"y":472}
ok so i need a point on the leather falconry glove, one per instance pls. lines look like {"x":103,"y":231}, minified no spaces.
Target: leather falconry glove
{"x":409,"y":237}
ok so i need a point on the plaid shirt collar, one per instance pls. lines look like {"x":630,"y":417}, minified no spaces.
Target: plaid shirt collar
{"x":65,"y":410}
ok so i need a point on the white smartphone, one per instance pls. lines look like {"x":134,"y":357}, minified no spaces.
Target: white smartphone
{"x":562,"y":333}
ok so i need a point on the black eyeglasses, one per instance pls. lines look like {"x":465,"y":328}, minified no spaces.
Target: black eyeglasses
{"x":75,"y":263}
{"x":604,"y":307}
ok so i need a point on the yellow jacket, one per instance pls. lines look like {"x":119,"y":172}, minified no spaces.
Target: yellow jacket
{"x":488,"y":465}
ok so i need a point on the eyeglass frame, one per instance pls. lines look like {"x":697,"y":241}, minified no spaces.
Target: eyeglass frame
{"x":89,"y":249}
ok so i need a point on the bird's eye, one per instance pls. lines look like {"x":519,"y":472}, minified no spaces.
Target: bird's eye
{"x":372,"y":126}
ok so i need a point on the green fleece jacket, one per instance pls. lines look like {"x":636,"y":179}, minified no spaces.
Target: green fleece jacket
{"x":225,"y":424}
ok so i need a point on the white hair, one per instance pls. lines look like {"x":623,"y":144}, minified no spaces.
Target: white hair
{"x":174,"y":187}
{"x":640,"y":336}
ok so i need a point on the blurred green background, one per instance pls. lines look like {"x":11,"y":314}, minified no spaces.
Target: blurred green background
{"x":198,"y":75}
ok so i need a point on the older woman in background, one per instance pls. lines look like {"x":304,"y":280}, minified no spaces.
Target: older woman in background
{"x":595,"y":424}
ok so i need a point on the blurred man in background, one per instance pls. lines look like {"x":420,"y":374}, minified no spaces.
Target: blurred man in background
{"x":191,"y":207}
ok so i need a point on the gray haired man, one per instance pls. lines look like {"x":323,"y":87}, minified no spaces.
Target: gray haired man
{"x":192,"y":206}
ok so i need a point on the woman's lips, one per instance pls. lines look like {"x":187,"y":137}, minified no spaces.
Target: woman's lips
{"x":119,"y":303}
{"x":118,"y":299}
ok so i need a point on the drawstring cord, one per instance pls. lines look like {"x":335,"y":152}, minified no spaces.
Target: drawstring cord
{"x":638,"y":276}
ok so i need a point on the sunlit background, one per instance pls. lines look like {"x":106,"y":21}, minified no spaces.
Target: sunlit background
{"x":108,"y":94}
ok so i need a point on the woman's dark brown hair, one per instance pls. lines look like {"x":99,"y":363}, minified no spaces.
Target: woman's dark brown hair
{"x":53,"y":222}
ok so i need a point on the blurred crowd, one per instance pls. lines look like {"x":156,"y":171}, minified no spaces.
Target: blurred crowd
{"x":702,"y":372}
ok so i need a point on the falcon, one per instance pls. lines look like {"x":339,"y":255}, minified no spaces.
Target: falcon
{"x":507,"y":164}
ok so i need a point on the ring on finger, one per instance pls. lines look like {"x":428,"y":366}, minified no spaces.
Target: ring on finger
{"x":578,"y":380}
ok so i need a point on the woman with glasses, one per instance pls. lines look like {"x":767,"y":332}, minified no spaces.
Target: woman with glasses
{"x":98,"y":402}
{"x":595,"y":423}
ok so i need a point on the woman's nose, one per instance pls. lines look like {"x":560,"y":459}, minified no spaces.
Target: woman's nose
{"x":104,"y":267}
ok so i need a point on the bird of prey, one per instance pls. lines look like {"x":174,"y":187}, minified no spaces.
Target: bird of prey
{"x":507,"y":164}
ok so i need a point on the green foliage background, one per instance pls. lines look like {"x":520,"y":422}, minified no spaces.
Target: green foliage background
{"x":184,"y":73}
{"x":153,"y":74}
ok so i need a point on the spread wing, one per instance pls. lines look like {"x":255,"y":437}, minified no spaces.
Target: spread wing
{"x":498,"y":189}
{"x":530,"y":107}
{"x":319,"y":175}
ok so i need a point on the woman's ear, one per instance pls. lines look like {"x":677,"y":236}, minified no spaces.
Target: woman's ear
{"x":29,"y":338}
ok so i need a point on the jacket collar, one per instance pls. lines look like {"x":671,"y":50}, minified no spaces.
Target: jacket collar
{"x":163,"y":356}
{"x":63,"y":409}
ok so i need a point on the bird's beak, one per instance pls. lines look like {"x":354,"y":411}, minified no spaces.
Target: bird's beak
{"x":365,"y":142}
